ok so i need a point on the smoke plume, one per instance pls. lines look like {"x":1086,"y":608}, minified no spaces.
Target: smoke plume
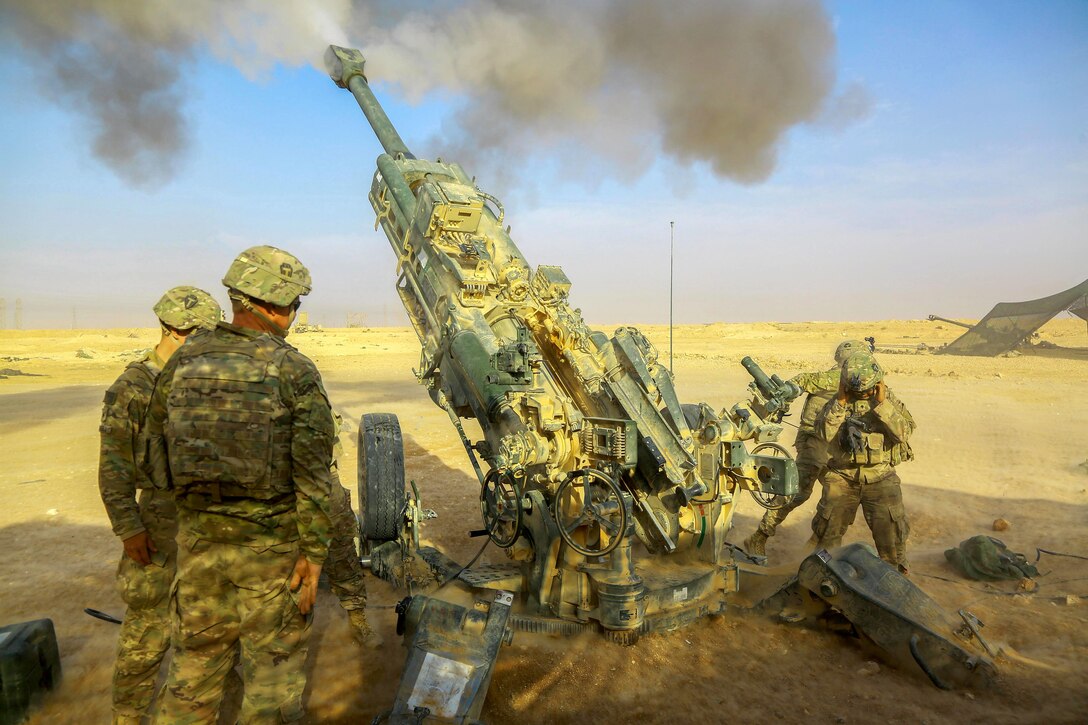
{"x":605,"y":87}
{"x":121,"y":65}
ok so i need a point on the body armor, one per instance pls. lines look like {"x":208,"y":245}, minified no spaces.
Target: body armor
{"x":865,"y":447}
{"x":228,"y":431}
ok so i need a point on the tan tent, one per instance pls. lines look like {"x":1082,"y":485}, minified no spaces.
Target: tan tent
{"x":1010,"y":323}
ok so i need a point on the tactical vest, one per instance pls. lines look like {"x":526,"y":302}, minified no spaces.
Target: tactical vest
{"x":228,"y":431}
{"x":863,"y":447}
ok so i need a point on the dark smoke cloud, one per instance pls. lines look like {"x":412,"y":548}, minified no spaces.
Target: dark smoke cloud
{"x":610,"y":85}
{"x":724,"y":81}
{"x":120,"y":64}
{"x":601,"y":87}
{"x":132,"y":103}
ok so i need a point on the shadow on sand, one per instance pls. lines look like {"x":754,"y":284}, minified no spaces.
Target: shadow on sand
{"x":32,"y":408}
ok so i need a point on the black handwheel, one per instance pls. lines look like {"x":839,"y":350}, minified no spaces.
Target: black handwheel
{"x":592,"y":499}
{"x":771,"y":502}
{"x":500,"y":503}
{"x":381,"y":477}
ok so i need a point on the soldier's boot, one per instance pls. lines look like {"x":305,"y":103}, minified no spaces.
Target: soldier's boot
{"x":361,"y":631}
{"x":756,"y":544}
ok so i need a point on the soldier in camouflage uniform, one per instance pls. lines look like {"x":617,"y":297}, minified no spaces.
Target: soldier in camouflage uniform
{"x":811,"y":449}
{"x":342,"y":567}
{"x":867,"y":430}
{"x":142,"y":517}
{"x":241,"y":431}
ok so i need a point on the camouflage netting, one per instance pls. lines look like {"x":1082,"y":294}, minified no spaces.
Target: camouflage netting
{"x":1009,"y":323}
{"x":1080,"y":308}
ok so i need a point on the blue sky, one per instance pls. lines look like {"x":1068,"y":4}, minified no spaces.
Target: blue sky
{"x":966,"y":185}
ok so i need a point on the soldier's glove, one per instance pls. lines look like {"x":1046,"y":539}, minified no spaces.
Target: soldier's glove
{"x":852,"y":435}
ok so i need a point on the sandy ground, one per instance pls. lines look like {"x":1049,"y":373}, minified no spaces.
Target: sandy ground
{"x":997,"y":437}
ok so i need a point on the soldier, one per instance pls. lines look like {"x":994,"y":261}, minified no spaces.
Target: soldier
{"x":867,"y":429}
{"x":811,"y":449}
{"x":343,"y":568}
{"x":142,"y":517}
{"x":242,"y":433}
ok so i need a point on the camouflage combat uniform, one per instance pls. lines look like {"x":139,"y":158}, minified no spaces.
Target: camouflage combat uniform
{"x":145,"y":632}
{"x":148,"y":522}
{"x":865,"y":444}
{"x":342,"y":566}
{"x":246,"y":427}
{"x":811,"y":449}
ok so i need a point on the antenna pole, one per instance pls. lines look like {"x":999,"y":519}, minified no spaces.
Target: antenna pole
{"x":672,"y":245}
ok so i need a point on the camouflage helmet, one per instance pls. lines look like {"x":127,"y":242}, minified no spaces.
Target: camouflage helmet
{"x":184,"y":308}
{"x":861,"y":371}
{"x":847,"y":348}
{"x":268,"y":274}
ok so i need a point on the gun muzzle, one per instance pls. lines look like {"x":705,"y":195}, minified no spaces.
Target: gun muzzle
{"x":343,"y":63}
{"x":345,"y":67}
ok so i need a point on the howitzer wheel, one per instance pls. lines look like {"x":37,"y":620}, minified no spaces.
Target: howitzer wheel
{"x":599,"y":500}
{"x":771,"y":502}
{"x":381,"y":477}
{"x":500,"y":502}
{"x":693,"y":414}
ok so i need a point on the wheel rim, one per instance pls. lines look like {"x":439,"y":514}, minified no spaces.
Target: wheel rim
{"x":500,"y":503}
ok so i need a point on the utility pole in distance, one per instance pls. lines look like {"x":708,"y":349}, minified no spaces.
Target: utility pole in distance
{"x":672,"y":244}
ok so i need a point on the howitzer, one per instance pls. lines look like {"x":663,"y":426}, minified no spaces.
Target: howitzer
{"x":590,"y":424}
{"x":611,"y":497}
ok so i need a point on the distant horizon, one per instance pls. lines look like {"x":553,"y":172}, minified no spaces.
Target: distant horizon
{"x":402,"y":322}
{"x":1062,"y":316}
{"x":60,"y":314}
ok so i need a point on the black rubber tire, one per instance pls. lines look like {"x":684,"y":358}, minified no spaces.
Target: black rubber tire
{"x":381,"y":477}
{"x":693,"y":413}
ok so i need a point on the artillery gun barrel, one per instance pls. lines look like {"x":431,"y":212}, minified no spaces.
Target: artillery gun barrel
{"x":345,"y":67}
{"x":938,"y":318}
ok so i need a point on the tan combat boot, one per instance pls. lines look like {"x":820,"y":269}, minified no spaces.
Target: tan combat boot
{"x":361,"y":631}
{"x":756,"y":544}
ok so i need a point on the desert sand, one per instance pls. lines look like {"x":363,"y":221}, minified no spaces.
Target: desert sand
{"x":997,"y":437}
